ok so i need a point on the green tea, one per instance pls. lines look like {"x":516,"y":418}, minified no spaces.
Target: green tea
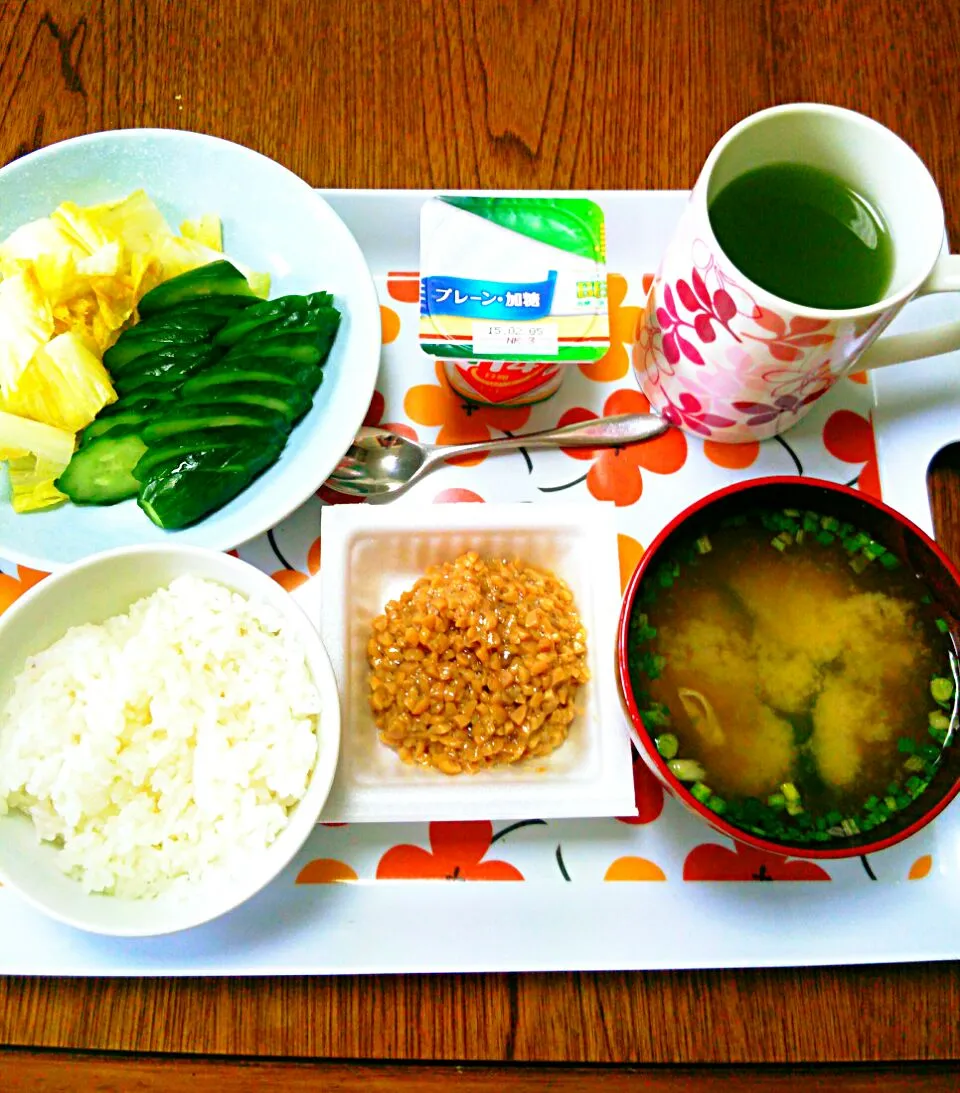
{"x":804,"y":235}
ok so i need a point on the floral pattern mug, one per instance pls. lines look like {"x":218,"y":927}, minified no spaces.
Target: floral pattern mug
{"x":723,"y":358}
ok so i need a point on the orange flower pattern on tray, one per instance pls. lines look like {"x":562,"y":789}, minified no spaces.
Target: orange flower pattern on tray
{"x":460,"y":422}
{"x":389,"y":324}
{"x":849,"y":436}
{"x":615,"y":363}
{"x":711,"y":861}
{"x":12,"y":588}
{"x":456,"y":852}
{"x":735,"y":457}
{"x":630,"y":552}
{"x":633,"y":868}
{"x":615,"y":474}
{"x":326,"y":871}
{"x":456,"y":495}
{"x":921,"y":867}
{"x":404,"y":286}
{"x":293,"y":578}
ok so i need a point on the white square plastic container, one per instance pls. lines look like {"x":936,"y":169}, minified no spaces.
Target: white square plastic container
{"x":370,"y":555}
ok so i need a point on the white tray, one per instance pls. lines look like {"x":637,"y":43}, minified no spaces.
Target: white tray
{"x":564,"y":915}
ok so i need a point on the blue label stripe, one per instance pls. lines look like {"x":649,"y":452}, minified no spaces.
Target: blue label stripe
{"x":495,"y":300}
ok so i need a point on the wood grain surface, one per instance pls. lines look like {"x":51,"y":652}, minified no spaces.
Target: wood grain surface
{"x":486,"y":93}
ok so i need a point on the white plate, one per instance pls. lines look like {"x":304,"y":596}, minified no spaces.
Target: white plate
{"x":275,"y":223}
{"x":370,"y":556}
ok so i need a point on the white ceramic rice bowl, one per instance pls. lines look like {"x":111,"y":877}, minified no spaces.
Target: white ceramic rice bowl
{"x":93,"y":591}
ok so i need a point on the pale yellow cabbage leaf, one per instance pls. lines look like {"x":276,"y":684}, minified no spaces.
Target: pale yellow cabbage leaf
{"x":206,"y":230}
{"x":32,"y":484}
{"x":64,"y":385}
{"x":37,"y":455}
{"x":26,"y":324}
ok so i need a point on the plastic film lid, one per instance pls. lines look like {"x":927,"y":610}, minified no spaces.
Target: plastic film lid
{"x":513,"y":278}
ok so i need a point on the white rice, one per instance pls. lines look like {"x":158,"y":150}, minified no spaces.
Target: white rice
{"x":162,"y":743}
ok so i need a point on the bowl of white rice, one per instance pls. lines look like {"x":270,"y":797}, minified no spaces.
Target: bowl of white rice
{"x":169,"y":732}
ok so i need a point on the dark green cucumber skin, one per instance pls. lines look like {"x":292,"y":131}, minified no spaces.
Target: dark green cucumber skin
{"x":101,"y":473}
{"x":172,"y":369}
{"x":128,"y":348}
{"x":176,"y":447}
{"x":130,"y":421}
{"x":217,"y":379}
{"x":211,"y":383}
{"x":134,"y":402}
{"x":291,"y":401}
{"x":189,"y":417}
{"x":182,"y":497}
{"x":228,"y":458}
{"x":215,"y":279}
{"x":269,"y":311}
{"x":227,"y":307}
{"x":295,"y":349}
{"x":310,"y":320}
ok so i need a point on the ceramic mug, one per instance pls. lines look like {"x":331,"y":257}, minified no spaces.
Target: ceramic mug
{"x":725,"y":359}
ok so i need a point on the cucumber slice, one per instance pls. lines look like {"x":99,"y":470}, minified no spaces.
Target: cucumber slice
{"x":226,"y":457}
{"x":225,"y":415}
{"x":298,"y":349}
{"x":186,"y":495}
{"x":135,"y":402}
{"x":215,"y":279}
{"x":279,"y":370}
{"x":122,"y":424}
{"x":133,"y":345}
{"x":317,"y":322}
{"x":172,"y":368}
{"x":267,"y":375}
{"x":292,"y":402}
{"x":101,"y":472}
{"x":201,"y":320}
{"x":227,"y":307}
{"x":172,"y":449}
{"x":269,"y":311}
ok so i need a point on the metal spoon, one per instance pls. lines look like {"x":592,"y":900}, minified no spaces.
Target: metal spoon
{"x":379,"y":464}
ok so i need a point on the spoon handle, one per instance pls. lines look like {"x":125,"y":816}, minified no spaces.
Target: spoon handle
{"x":601,"y":432}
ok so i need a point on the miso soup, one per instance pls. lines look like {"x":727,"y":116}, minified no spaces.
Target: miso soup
{"x":795,"y":673}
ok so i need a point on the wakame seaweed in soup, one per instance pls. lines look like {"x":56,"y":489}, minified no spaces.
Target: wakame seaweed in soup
{"x":794,"y":674}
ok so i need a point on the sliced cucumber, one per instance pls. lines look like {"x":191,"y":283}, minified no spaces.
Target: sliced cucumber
{"x":132,"y":345}
{"x":122,"y":424}
{"x":100,"y":473}
{"x":215,"y":279}
{"x":173,"y":449}
{"x":270,"y":311}
{"x":172,"y":368}
{"x":224,"y":457}
{"x":227,"y":307}
{"x":316,"y":322}
{"x":135,"y":401}
{"x":201,"y":320}
{"x":187,"y":494}
{"x":293,"y":402}
{"x":298,"y":349}
{"x":226,"y":415}
{"x":268,"y":375}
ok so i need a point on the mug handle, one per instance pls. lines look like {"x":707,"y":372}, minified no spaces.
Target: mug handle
{"x":945,"y":338}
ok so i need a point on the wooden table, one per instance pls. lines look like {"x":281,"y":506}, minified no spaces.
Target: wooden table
{"x":484,"y":93}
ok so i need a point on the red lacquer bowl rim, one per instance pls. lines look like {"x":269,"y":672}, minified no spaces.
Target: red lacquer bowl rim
{"x":643,"y":740}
